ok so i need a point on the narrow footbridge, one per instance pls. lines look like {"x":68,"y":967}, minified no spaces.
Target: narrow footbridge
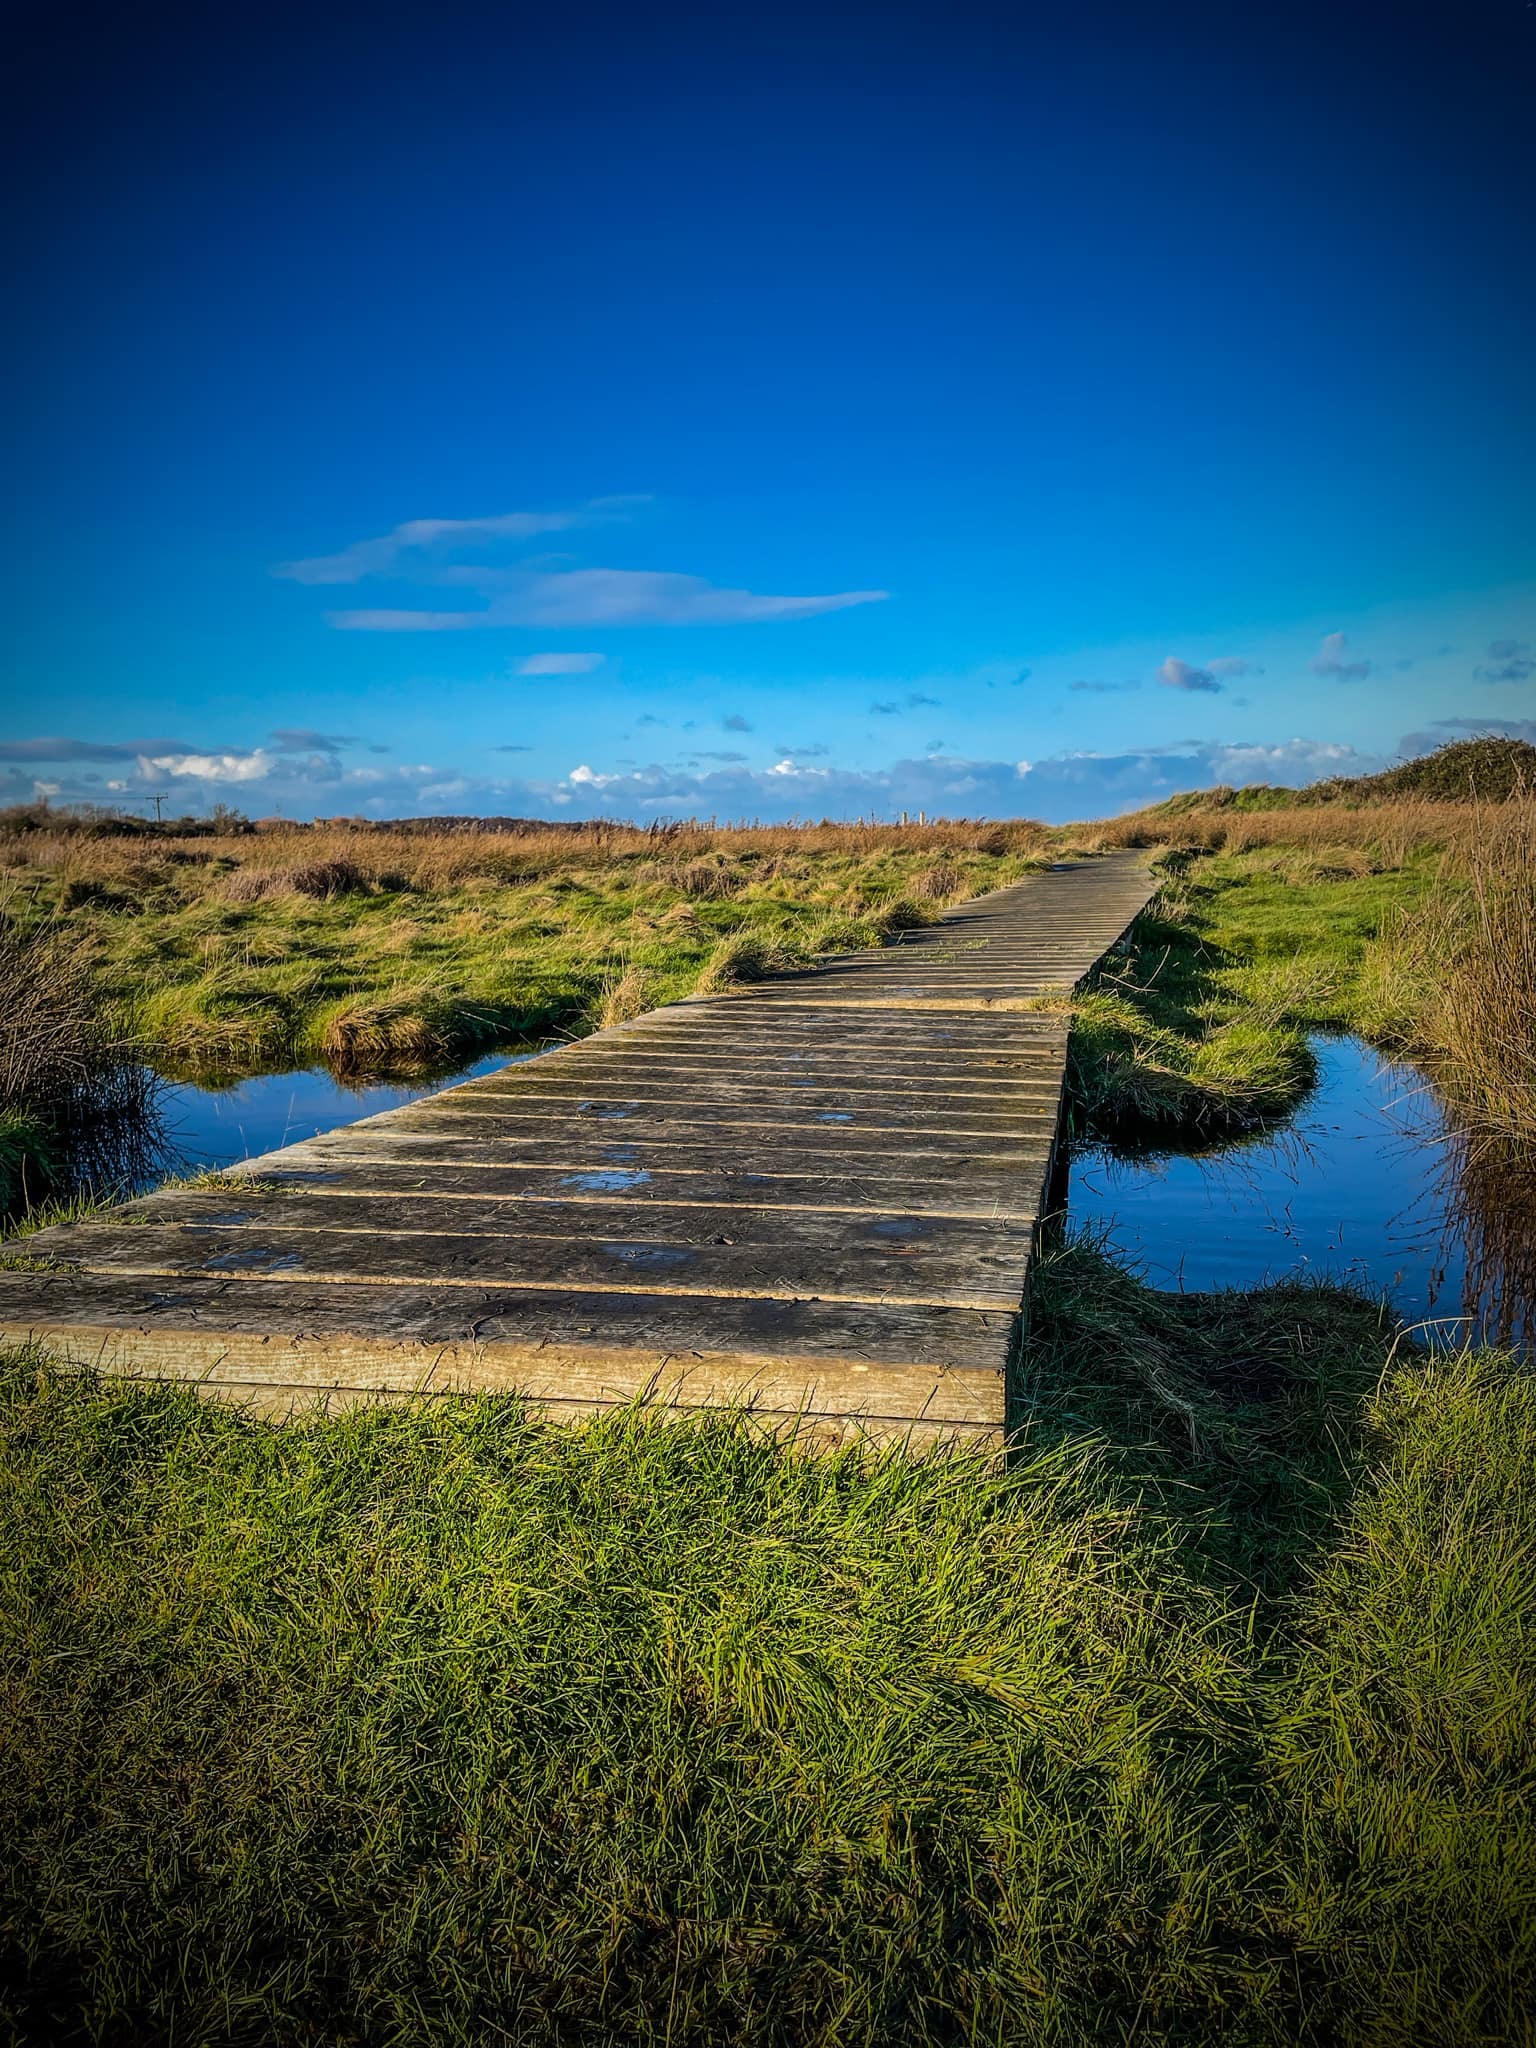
{"x":817,"y":1195}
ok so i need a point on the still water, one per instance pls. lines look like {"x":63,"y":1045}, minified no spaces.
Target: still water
{"x":212,"y":1127}
{"x":1369,"y":1182}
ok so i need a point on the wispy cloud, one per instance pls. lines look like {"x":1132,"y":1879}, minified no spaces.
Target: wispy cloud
{"x":301,"y":739}
{"x":409,"y":548}
{"x":1183,"y":675}
{"x":605,"y":597}
{"x":734,"y":722}
{"x":557,"y":664}
{"x":1332,"y":659}
{"x":55,"y":748}
{"x":1509,"y":661}
{"x":539,"y":590}
{"x":915,"y":700}
{"x":1105,"y":689}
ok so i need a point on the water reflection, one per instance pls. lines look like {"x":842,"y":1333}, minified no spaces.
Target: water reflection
{"x":1371,"y":1182}
{"x":210,"y":1127}
{"x":111,"y":1140}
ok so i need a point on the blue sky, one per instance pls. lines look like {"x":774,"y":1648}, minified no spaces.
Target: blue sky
{"x":659,"y":412}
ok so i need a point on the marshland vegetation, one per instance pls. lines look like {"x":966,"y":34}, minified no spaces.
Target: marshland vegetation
{"x":379,"y":950}
{"x":1210,"y":1716}
{"x":1407,"y":917}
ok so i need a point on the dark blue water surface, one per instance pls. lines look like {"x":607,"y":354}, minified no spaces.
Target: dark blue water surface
{"x":212,"y":1127}
{"x":1368,"y":1183}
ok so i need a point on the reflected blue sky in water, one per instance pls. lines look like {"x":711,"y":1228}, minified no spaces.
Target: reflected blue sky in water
{"x":1356,"y":1187}
{"x":212,"y":1127}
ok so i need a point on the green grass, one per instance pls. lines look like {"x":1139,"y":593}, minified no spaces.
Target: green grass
{"x":383,"y":977}
{"x":1209,"y":1719}
{"x":1199,"y":1028}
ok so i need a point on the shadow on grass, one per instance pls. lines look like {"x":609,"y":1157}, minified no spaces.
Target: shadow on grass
{"x":1240,"y":1416}
{"x":1164,"y":1053}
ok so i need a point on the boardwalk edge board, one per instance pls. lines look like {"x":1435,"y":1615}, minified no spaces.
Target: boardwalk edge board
{"x":813,"y":1197}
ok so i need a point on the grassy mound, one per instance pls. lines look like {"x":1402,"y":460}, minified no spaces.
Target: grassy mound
{"x":1209,"y":1719}
{"x":1487,"y":769}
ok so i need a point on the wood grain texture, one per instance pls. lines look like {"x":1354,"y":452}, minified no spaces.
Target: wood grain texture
{"x":814,"y":1196}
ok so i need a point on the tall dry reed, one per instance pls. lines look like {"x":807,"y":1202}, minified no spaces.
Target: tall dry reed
{"x":1457,"y":974}
{"x":76,"y":1107}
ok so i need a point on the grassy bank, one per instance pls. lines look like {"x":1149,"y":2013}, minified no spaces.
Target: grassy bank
{"x":1401,"y":906}
{"x":1199,"y":1027}
{"x":379,"y":950}
{"x":1412,"y":929}
{"x":1210,"y":1719}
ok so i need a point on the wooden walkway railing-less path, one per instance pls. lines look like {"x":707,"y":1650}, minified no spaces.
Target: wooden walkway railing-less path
{"x":816,"y":1194}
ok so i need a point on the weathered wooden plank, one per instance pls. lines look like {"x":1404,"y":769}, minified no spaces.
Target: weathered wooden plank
{"x":829,"y":1148}
{"x":803,"y":1429}
{"x":777,"y":1020}
{"x":538,"y":1115}
{"x":799,"y":1091}
{"x":385,"y":1215}
{"x":898,"y":1268}
{"x":986,"y":1197}
{"x":945,"y":1363}
{"x":994,"y":1076}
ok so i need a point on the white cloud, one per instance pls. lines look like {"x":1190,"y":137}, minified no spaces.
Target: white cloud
{"x":537,"y":590}
{"x":1084,"y":784}
{"x":399,"y":550}
{"x":255,"y":766}
{"x":604,"y":597}
{"x":557,"y":664}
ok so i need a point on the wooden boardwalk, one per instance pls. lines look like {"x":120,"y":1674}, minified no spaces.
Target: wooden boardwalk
{"x":816,"y":1194}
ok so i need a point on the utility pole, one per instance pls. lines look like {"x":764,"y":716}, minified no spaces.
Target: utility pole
{"x":157,"y":801}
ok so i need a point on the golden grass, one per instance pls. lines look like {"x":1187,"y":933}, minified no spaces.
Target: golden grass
{"x":1456,"y":975}
{"x":626,"y":999}
{"x":1387,"y":833}
{"x":327,"y":859}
